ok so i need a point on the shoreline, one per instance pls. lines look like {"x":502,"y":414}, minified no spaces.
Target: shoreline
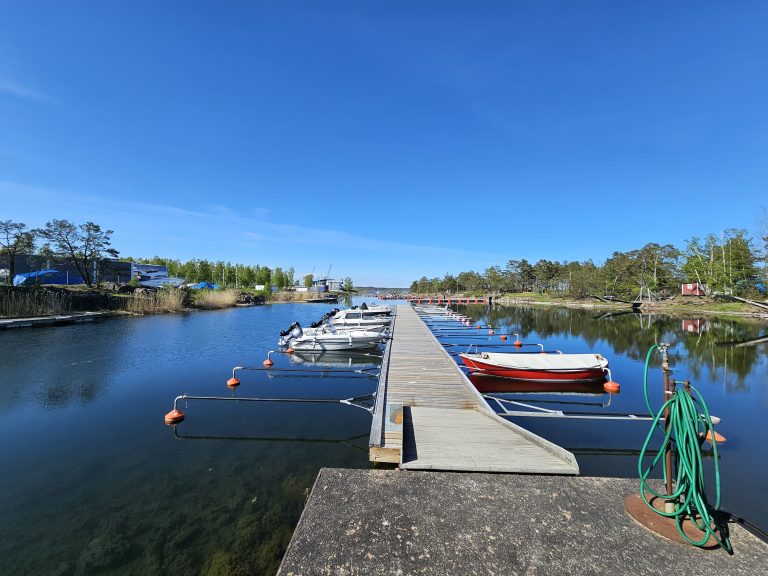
{"x":676,"y":309}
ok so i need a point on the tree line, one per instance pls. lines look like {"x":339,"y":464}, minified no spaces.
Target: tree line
{"x":83,"y":244}
{"x":730,"y":263}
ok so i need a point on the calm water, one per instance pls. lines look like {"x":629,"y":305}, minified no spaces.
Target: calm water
{"x":93,"y":482}
{"x":715,"y":354}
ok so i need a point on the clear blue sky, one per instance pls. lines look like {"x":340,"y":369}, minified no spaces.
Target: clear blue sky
{"x":388,"y":139}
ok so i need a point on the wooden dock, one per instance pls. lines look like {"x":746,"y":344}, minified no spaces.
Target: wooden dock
{"x":55,"y":320}
{"x":429,"y":416}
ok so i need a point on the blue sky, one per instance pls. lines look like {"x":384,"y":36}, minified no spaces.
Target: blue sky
{"x":387,"y":139}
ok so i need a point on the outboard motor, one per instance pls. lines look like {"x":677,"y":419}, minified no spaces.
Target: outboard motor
{"x":294,"y":331}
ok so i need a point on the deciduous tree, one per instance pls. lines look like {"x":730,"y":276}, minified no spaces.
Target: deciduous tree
{"x":80,"y":244}
{"x":15,"y":239}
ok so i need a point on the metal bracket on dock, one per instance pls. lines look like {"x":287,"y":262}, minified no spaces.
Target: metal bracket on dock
{"x":539,"y":412}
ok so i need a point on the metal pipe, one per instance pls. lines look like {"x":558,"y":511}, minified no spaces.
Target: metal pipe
{"x":347,"y":401}
{"x":669,"y":390}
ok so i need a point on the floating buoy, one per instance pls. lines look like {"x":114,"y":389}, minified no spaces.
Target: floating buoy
{"x":268,"y":363}
{"x":503,"y":337}
{"x":478,"y":326}
{"x":289,"y":351}
{"x":518,"y":344}
{"x":719,"y":438}
{"x":232,"y":382}
{"x":612,"y":387}
{"x":490,"y":332}
{"x":174,"y":417}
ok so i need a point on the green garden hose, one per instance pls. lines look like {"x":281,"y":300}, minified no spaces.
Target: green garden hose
{"x":689,"y":421}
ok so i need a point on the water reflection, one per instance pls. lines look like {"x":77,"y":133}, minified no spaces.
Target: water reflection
{"x":338,"y":359}
{"x":726,"y":358}
{"x":711,"y":341}
{"x":94,"y":483}
{"x":53,"y":372}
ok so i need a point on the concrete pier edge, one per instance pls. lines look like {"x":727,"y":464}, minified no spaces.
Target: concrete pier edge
{"x":382,"y":522}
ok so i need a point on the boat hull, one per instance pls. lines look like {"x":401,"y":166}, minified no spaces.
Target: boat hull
{"x":321,"y":342}
{"x":331,"y":345}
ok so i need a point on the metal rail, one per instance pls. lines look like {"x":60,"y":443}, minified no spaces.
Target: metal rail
{"x":376,"y":438}
{"x":353,"y":401}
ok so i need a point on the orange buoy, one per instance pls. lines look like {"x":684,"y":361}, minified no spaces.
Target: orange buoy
{"x":518,"y":343}
{"x":490,"y":332}
{"x":268,"y":363}
{"x":289,"y":351}
{"x":503,"y":337}
{"x":233,"y":382}
{"x":612,"y":387}
{"x":174,"y":417}
{"x":719,"y":438}
{"x":478,"y":326}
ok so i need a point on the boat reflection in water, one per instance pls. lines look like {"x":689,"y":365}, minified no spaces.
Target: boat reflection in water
{"x":486,"y":384}
{"x":335,"y":359}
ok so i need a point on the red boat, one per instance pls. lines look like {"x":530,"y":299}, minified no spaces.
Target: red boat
{"x":539,"y":367}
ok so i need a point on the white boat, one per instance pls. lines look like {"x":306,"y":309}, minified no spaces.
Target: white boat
{"x":157,"y":279}
{"x":358,"y":319}
{"x":374,"y":310}
{"x":328,"y":338}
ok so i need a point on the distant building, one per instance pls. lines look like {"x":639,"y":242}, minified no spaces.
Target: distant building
{"x":693,"y":289}
{"x":695,"y":326}
{"x":327,"y":285}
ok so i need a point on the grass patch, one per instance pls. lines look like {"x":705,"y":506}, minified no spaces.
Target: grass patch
{"x":213,"y":299}
{"x":152,"y":303}
{"x":15,"y":304}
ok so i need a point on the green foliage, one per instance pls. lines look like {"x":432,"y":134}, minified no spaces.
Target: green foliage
{"x":347,"y":287}
{"x":308,"y":279}
{"x":728,"y":264}
{"x":79,"y":244}
{"x":15,"y":239}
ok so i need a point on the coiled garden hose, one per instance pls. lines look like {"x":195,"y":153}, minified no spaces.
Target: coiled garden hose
{"x":689,"y":422}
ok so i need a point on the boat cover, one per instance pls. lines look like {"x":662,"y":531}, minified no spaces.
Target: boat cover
{"x":542,"y":361}
{"x":47,"y":277}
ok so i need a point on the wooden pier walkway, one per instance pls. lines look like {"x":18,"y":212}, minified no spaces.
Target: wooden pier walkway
{"x":54,"y":320}
{"x":428,"y":415}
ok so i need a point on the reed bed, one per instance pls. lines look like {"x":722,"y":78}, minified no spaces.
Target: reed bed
{"x":212,"y":299}
{"x":33,"y":303}
{"x":160,"y":301}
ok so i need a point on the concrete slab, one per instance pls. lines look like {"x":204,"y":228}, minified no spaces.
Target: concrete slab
{"x":384,"y":522}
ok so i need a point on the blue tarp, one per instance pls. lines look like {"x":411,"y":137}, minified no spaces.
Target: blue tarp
{"x":46,"y":277}
{"x":206,"y":286}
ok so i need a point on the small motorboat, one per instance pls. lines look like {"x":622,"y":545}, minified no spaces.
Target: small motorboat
{"x":358,"y":319}
{"x":157,"y":279}
{"x":539,"y":367}
{"x":326,"y":337}
{"x":375,"y":310}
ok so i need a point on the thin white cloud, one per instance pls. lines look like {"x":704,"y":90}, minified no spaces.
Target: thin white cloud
{"x":182,"y":232}
{"x":12,"y":88}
